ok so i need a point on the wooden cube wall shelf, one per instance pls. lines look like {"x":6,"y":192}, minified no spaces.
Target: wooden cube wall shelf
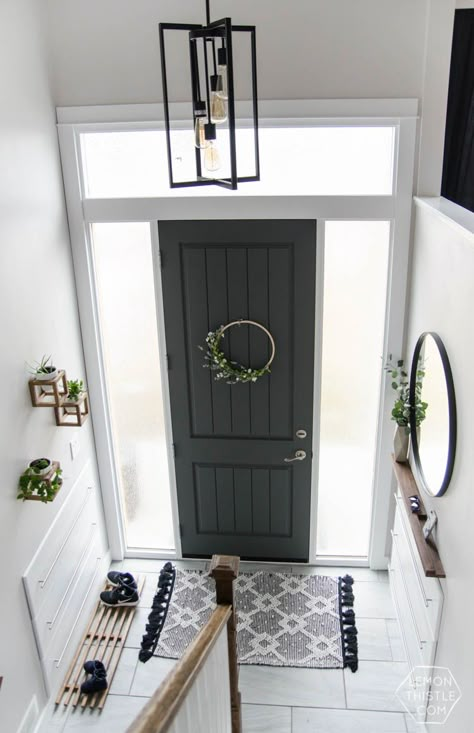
{"x":51,"y":397}
{"x":72,"y":414}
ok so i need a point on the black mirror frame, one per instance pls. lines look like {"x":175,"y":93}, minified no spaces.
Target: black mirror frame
{"x":451,"y":414}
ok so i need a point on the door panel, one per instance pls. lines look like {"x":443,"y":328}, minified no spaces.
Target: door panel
{"x":243,"y":501}
{"x":235,"y":492}
{"x":233,"y":288}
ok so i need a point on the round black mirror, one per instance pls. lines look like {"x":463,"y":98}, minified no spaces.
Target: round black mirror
{"x":432,"y":414}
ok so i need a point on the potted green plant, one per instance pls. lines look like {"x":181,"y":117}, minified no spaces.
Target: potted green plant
{"x":402,"y":408}
{"x":44,"y":369}
{"x":75,"y":390}
{"x":41,"y":466}
{"x":37,"y":487}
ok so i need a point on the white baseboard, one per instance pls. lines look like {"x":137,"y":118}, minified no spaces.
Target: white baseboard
{"x":31,"y":717}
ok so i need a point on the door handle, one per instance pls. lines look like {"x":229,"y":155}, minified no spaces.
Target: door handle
{"x":300,"y":455}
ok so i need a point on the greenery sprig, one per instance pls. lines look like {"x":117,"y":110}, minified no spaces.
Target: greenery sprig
{"x":401,"y":385}
{"x":75,"y":387}
{"x":32,"y":484}
{"x":231,"y":371}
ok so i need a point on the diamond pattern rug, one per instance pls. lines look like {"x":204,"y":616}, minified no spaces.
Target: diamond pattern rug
{"x":284,"y":620}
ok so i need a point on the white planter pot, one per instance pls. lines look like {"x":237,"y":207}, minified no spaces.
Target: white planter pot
{"x":41,"y":471}
{"x":47,"y":377}
{"x":401,"y":440}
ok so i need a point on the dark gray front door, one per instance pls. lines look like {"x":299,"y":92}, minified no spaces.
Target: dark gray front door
{"x":236,"y":493}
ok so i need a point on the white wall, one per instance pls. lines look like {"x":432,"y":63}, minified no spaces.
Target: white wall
{"x":442,"y":300}
{"x":434,"y":95}
{"x":38,"y":315}
{"x":107,"y":51}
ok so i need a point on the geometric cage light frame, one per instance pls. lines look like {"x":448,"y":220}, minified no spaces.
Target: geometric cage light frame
{"x":211,"y":64}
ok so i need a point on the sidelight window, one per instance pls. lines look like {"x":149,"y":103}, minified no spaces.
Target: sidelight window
{"x":127,"y":315}
{"x":355,"y":295}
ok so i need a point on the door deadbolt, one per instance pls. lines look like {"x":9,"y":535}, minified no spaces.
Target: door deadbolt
{"x":301,"y":434}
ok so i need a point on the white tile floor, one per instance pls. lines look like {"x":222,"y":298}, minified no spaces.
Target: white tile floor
{"x":277,"y":700}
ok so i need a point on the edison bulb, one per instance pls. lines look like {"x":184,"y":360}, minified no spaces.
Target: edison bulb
{"x":218,"y":105}
{"x":199,"y":134}
{"x":221,"y":89}
{"x":218,"y":109}
{"x":212,"y":159}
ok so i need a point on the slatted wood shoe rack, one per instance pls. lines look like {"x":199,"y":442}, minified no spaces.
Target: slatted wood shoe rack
{"x":104,"y":640}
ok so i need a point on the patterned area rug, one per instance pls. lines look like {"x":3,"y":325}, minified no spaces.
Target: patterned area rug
{"x":284,"y":620}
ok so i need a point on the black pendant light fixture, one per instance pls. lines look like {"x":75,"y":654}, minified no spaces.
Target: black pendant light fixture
{"x":208,"y":154}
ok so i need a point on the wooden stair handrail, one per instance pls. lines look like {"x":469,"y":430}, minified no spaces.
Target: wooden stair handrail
{"x":160,"y":711}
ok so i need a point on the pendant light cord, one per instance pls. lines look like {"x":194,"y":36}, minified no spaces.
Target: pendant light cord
{"x":206,"y":67}
{"x":214,"y":58}
{"x":208,"y":20}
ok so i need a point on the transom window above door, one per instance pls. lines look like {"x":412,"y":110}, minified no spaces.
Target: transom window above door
{"x":325,"y":160}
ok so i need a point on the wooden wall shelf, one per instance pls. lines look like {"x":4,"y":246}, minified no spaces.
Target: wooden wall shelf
{"x":52,"y":397}
{"x":427,"y":550}
{"x":53,"y":393}
{"x":72,"y":414}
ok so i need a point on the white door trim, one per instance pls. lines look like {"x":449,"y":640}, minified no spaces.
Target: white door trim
{"x":79,"y":231}
{"x":318,"y":357}
{"x":255,"y":207}
{"x":160,"y":319}
{"x":271,"y":109}
{"x":394,"y":344}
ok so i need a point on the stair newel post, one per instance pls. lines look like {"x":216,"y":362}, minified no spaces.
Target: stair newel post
{"x":224,"y":570}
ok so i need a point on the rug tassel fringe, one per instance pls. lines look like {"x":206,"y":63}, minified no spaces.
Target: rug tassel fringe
{"x":159,"y":610}
{"x":350,"y":646}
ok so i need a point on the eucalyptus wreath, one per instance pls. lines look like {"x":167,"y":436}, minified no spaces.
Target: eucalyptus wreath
{"x":231,"y":371}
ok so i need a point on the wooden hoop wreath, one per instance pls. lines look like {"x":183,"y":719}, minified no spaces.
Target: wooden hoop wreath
{"x":231,"y":371}
{"x":258,"y":325}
